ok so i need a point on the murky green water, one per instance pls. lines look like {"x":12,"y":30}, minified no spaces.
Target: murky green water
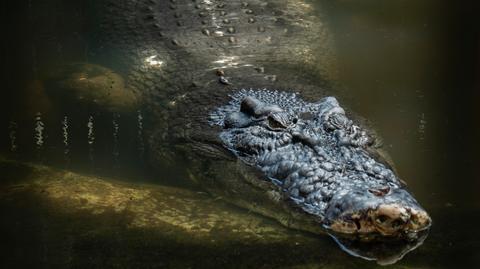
{"x":410,"y":67}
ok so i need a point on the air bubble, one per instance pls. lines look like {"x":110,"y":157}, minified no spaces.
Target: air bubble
{"x":141,"y":145}
{"x":65,"y":135}
{"x":39,"y":128}
{"x":12,"y":127}
{"x":116,"y":128}
{"x":90,"y":137}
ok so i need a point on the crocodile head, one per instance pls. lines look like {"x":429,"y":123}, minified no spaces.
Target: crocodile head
{"x":324,"y":163}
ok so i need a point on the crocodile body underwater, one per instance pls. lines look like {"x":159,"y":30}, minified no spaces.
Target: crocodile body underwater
{"x":239,"y":90}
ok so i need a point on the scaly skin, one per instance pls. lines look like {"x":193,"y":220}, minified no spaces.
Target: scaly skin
{"x":322,"y":161}
{"x":306,"y":164}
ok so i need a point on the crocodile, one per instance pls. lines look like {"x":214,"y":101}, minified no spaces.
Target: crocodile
{"x":239,"y":92}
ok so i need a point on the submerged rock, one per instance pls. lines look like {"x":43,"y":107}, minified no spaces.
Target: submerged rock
{"x":92,"y":84}
{"x":194,"y":214}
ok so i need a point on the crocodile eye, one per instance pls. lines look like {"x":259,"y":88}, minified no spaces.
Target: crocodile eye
{"x":274,"y":124}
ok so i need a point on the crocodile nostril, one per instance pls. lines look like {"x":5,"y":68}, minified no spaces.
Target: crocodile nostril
{"x":381,"y":219}
{"x":389,"y":224}
{"x":357,"y":224}
{"x":390,"y":218}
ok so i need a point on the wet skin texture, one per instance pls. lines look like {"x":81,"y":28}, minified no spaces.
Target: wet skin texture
{"x":189,"y":60}
{"x":327,"y":165}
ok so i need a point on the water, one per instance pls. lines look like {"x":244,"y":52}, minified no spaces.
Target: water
{"x":407,"y":66}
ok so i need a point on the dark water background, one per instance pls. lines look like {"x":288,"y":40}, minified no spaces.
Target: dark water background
{"x":410,"y":67}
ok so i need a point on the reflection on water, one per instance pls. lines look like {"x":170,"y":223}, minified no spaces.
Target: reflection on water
{"x":384,"y":253}
{"x":154,"y":61}
{"x":406,"y":66}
